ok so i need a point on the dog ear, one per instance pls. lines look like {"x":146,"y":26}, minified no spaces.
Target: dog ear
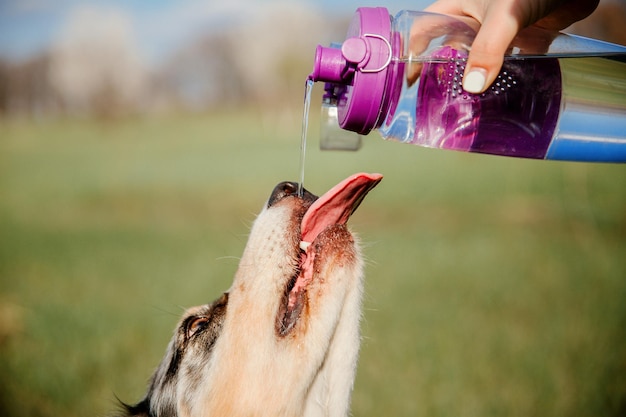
{"x":206,"y":326}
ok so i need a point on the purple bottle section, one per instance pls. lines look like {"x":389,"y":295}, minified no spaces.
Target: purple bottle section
{"x":403,"y":76}
{"x":517,"y":116}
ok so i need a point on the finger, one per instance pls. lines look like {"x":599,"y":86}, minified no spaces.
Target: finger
{"x":424,"y":29}
{"x":487,"y":52}
{"x":450,"y":7}
{"x":434,"y":24}
{"x":471,"y":13}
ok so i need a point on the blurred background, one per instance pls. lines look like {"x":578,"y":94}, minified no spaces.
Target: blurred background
{"x":139,"y":139}
{"x":116,"y":58}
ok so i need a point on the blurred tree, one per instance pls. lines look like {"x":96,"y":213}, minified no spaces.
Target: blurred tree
{"x":5,"y":71}
{"x":95,"y":65}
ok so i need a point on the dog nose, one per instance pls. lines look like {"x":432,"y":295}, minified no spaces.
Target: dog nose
{"x":287,"y":189}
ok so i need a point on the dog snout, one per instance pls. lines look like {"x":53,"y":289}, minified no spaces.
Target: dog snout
{"x":289,"y":189}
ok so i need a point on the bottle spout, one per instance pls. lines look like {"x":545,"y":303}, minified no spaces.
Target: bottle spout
{"x":329,"y":65}
{"x":336,"y":64}
{"x":356,"y":71}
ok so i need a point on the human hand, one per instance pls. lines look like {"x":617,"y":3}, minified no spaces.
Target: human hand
{"x":500,"y":22}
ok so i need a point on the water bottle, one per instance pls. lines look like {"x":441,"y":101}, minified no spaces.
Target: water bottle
{"x":558,"y":96}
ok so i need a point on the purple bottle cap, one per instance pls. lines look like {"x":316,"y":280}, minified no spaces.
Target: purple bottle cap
{"x":361,"y":65}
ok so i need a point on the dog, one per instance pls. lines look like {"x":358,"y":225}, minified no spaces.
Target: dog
{"x":284,"y":339}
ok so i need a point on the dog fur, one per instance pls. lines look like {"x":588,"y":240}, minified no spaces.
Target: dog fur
{"x":248,"y":353}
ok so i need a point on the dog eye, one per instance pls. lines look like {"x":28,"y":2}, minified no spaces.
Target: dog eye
{"x":197,"y":325}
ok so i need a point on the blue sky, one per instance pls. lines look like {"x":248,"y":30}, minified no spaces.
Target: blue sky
{"x":30,"y":26}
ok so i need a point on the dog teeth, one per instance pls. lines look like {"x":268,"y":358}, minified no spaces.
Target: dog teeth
{"x":304,"y":245}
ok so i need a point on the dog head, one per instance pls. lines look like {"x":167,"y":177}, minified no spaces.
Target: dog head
{"x":284,"y":340}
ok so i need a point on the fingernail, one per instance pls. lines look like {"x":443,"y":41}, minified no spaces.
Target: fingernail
{"x":474,"y":81}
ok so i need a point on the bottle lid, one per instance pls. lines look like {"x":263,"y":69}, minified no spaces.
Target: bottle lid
{"x":362,"y":66}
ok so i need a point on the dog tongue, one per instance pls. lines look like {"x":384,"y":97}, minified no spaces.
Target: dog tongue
{"x":336,"y":206}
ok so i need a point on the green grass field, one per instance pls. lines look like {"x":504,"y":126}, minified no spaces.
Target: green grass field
{"x":495,"y":286}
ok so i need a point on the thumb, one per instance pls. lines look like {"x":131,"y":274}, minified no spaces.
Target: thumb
{"x":487,"y":51}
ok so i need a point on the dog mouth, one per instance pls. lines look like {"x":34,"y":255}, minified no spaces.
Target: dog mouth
{"x":334,"y":208}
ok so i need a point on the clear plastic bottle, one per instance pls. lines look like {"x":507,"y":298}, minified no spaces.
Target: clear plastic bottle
{"x":557,"y":96}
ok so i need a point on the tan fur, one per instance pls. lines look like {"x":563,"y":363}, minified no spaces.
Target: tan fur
{"x":300,"y":376}
{"x":252,"y":369}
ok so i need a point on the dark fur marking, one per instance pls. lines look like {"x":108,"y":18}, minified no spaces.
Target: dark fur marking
{"x":205,"y":335}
